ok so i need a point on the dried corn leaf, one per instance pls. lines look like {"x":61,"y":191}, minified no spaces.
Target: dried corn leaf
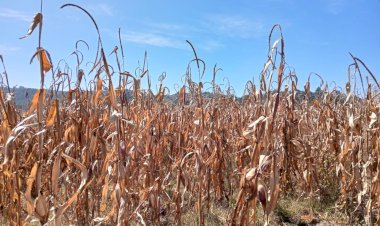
{"x":29,"y":187}
{"x":112,"y":95}
{"x":43,"y":56}
{"x":37,"y":19}
{"x":256,"y":122}
{"x":52,"y":114}
{"x":98,"y":91}
{"x":56,"y":171}
{"x":84,"y":176}
{"x":182,"y":94}
{"x":251,"y":174}
{"x":373,"y":118}
{"x":103,"y":203}
{"x":41,"y":208}
{"x":35,"y":100}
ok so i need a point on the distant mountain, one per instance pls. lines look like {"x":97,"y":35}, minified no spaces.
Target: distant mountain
{"x":23,"y":96}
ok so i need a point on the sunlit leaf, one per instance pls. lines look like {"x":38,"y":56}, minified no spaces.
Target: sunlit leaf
{"x":52,"y":114}
{"x":34,"y":103}
{"x":37,"y":19}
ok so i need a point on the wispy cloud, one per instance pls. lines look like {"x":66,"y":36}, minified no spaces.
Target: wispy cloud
{"x":14,"y":14}
{"x":172,"y":35}
{"x":236,"y":26}
{"x":181,"y":32}
{"x":210,"y":45}
{"x":7,"y":49}
{"x":166,"y":26}
{"x":152,"y":39}
{"x":178,"y":29}
{"x":335,"y":6}
{"x":102,"y":8}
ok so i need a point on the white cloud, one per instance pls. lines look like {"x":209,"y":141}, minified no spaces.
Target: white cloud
{"x":173,"y":35}
{"x":14,"y":14}
{"x":169,"y":41}
{"x":6,"y":49}
{"x":236,"y":26}
{"x":152,"y":39}
{"x":177,"y":29}
{"x":102,"y":8}
{"x":210,"y":45}
{"x":107,"y":9}
{"x":166,"y":26}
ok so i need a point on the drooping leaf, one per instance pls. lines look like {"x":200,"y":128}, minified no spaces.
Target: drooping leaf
{"x":29,"y":186}
{"x":182,"y":94}
{"x":46,"y":63}
{"x":103,"y":203}
{"x":41,"y":206}
{"x":98,"y":91}
{"x":43,"y":56}
{"x":52,"y":114}
{"x":56,"y":171}
{"x":37,"y":19}
{"x":112,"y":95}
{"x":34,"y":103}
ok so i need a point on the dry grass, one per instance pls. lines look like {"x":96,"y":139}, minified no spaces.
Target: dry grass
{"x":93,"y":157}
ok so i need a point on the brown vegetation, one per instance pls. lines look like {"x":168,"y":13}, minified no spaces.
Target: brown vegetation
{"x":94,"y":157}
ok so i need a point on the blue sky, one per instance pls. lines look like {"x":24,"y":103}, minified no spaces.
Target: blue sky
{"x":234,"y":34}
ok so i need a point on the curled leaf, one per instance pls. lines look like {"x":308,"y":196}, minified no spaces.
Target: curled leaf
{"x":33,"y":105}
{"x":37,"y":19}
{"x":43,"y":56}
{"x":52,"y":114}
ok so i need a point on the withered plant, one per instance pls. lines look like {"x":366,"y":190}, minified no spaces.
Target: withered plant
{"x":88,"y":154}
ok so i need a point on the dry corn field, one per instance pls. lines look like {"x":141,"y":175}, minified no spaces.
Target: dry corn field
{"x":85,"y":154}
